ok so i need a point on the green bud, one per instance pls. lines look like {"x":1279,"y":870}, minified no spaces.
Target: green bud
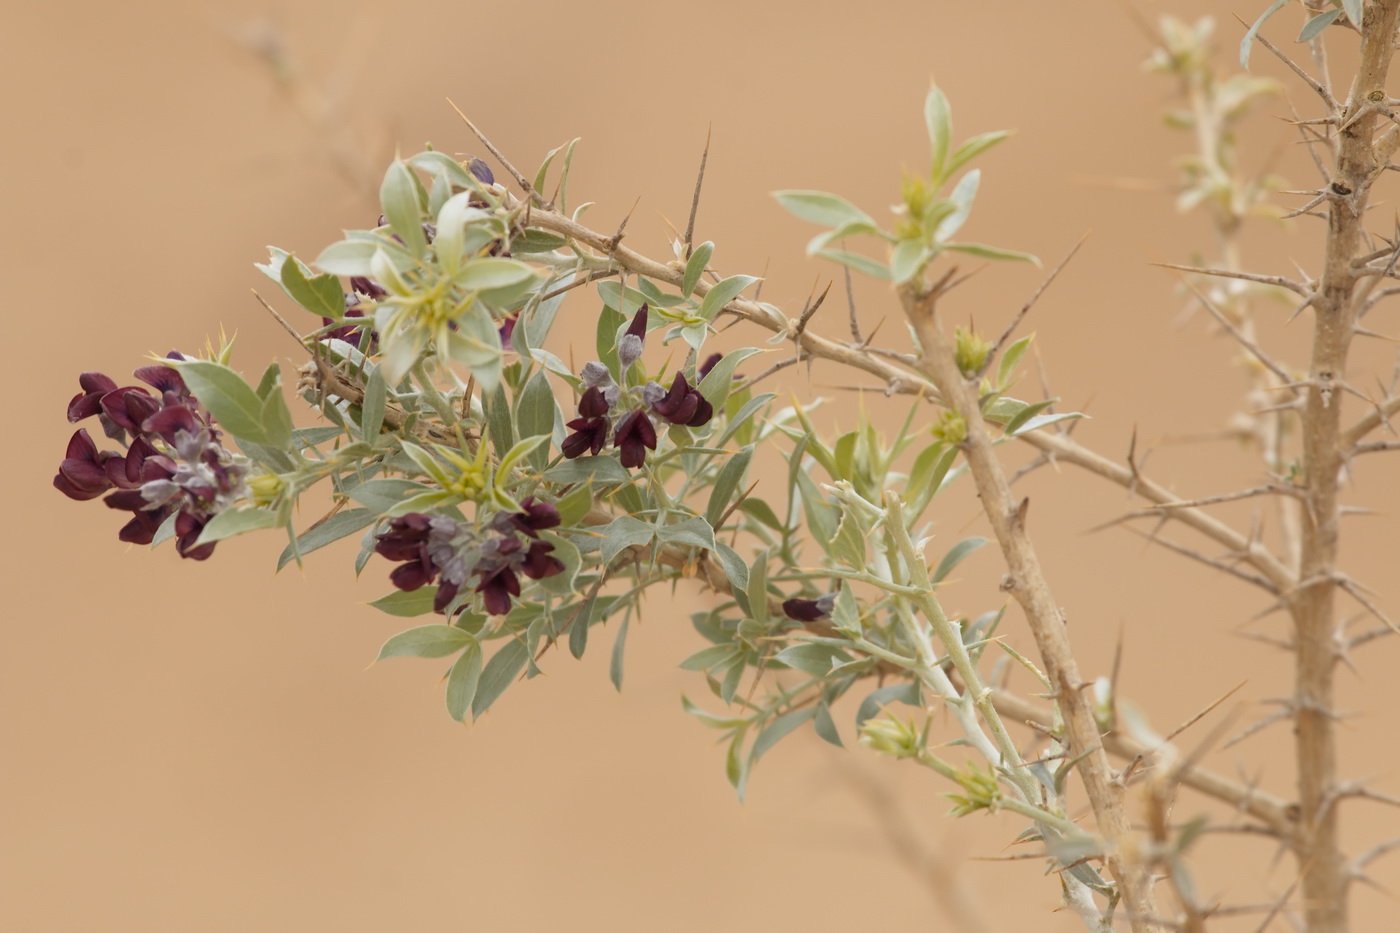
{"x":950,"y":428}
{"x":970,"y":350}
{"x":265,"y":487}
{"x":890,"y":736}
{"x":981,"y":791}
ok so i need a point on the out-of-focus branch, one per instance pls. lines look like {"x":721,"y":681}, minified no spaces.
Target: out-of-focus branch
{"x":1280,"y":816}
{"x":1325,"y":875}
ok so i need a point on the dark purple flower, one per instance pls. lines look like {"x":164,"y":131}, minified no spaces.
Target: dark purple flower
{"x":142,"y":464}
{"x":412,"y":575}
{"x":361,"y":288}
{"x":163,"y":379}
{"x":446,"y":592}
{"x":538,"y":562}
{"x":507,"y":327}
{"x":407,"y":540}
{"x":638,"y":327}
{"x":128,"y":407}
{"x":364,"y":285}
{"x":809,"y":610}
{"x":684,"y":404}
{"x":144,"y":523}
{"x":629,"y":347}
{"x":187,"y":530}
{"x":89,"y":401}
{"x":710,"y":362}
{"x":535,"y":516}
{"x":168,"y":421}
{"x":496,"y":588}
{"x":83,"y":473}
{"x":590,"y":428}
{"x":634,"y":433}
{"x":481,"y":171}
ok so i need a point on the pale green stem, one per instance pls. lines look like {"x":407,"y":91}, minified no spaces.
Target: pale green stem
{"x":951,"y":638}
{"x":436,"y":399}
{"x":931,"y":674}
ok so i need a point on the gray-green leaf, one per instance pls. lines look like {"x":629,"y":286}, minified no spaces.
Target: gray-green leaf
{"x":425,"y":641}
{"x":462,"y":680}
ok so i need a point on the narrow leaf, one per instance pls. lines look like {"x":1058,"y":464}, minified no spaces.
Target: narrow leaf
{"x":991,"y":252}
{"x":408,"y":603}
{"x":462,"y":680}
{"x":777,"y":730}
{"x":398,"y":198}
{"x":425,"y":641}
{"x":500,"y":672}
{"x":721,"y":293}
{"x":730,"y":475}
{"x":822,"y":208}
{"x":974,"y":147}
{"x":231,"y":401}
{"x":372,"y":408}
{"x":619,"y":649}
{"x":695,"y":266}
{"x":1318,"y":23}
{"x":938,"y":118}
{"x":339,"y":525}
{"x":862,"y":264}
{"x":232,"y":522}
{"x":1248,"y":41}
{"x":955,"y":556}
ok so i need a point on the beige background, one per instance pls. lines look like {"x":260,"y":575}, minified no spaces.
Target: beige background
{"x":198,"y":747}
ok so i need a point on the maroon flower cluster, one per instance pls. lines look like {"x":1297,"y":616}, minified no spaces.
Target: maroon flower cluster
{"x":436,"y":547}
{"x":173,"y":464}
{"x":605,"y":404}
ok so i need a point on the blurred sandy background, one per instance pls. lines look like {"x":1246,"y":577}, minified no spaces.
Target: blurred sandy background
{"x":198,"y":747}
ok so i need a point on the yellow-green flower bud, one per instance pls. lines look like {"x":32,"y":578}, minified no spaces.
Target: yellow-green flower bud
{"x":265,"y":487}
{"x":981,"y":791}
{"x":970,"y":351}
{"x":950,"y":428}
{"x":890,"y":736}
{"x":916,"y":198}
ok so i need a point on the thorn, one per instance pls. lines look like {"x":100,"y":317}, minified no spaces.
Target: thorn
{"x":1025,"y":308}
{"x":851,"y":304}
{"x":1308,"y":79}
{"x":1306,"y":208}
{"x":301,"y":341}
{"x":1204,"y":712}
{"x":1278,"y":280}
{"x":1285,"y":713}
{"x":1355,"y":590}
{"x":520,"y":179}
{"x":695,"y":198}
{"x":616,"y":238}
{"x":810,"y":310}
{"x":1018,"y":520}
{"x":1364,"y":332}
